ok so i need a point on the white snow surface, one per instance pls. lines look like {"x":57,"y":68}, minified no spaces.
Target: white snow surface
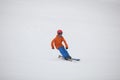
{"x":91,"y":28}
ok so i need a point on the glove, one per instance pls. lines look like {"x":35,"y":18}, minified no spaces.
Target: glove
{"x":52,"y":47}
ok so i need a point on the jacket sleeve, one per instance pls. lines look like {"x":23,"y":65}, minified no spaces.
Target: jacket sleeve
{"x":66,"y":45}
{"x":52,"y":44}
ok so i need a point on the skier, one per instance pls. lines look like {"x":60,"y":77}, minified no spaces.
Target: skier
{"x":57,"y":42}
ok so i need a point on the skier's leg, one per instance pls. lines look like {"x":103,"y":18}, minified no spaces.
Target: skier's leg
{"x":64,"y":53}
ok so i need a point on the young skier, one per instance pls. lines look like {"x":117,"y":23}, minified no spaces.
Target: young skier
{"x":57,"y":42}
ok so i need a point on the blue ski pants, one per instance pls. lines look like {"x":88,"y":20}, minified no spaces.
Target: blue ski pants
{"x":64,"y":52}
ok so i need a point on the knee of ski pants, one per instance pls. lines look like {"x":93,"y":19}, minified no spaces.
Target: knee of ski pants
{"x":64,"y":52}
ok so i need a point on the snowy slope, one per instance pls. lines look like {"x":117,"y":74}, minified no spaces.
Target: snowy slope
{"x":91,"y":28}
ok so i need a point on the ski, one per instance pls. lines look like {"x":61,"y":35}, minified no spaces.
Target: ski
{"x":76,"y":59}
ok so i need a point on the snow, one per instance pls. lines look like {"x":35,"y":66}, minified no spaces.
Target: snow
{"x":91,"y":28}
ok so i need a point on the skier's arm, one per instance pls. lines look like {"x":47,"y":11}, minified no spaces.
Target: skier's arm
{"x":52,"y":44}
{"x":66,"y":45}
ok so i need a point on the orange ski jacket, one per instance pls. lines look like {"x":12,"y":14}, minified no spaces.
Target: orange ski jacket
{"x":57,"y":42}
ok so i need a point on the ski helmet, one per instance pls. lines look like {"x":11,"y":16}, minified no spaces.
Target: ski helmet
{"x":59,"y":31}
